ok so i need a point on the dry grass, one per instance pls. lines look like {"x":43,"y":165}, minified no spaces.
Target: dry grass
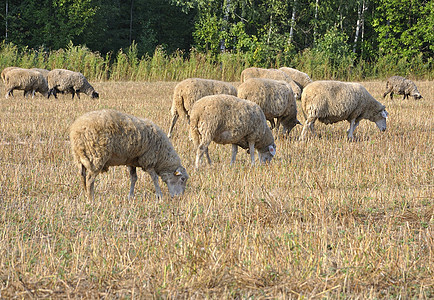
{"x":328,"y":218}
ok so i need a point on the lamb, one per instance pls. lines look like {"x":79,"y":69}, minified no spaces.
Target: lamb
{"x":227,"y":119}
{"x":29,"y":81}
{"x":253,"y":72}
{"x":334,"y":101}
{"x":66,"y":81}
{"x":188,"y":91}
{"x":401,"y":86}
{"x":104,"y":138}
{"x":275,"y":98}
{"x":300,"y":78}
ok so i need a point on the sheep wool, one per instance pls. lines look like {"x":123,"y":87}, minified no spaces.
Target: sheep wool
{"x":66,"y":81}
{"x":5,"y":70}
{"x":300,"y":78}
{"x":188,"y":91}
{"x":226,"y":119}
{"x":401,"y":86}
{"x":29,"y":81}
{"x":43,"y":71}
{"x":334,"y":101}
{"x":275,"y":98}
{"x":104,"y":138}
{"x":253,"y":72}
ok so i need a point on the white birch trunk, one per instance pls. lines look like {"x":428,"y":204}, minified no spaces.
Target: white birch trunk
{"x":291,"y":30}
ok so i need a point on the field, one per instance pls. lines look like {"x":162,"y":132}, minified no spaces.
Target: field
{"x":328,"y":218}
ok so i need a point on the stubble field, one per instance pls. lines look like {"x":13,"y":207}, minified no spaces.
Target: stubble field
{"x":327,"y":218}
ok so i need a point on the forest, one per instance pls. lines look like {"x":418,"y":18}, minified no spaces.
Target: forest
{"x":374,"y":37}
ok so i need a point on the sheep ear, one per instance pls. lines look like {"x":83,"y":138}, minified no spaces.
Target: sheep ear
{"x":177,"y":172}
{"x":272,"y":150}
{"x":384,"y":114}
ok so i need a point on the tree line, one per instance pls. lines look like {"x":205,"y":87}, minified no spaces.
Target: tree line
{"x":267,"y":33}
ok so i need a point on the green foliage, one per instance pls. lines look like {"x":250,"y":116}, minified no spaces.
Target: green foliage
{"x":405,"y":28}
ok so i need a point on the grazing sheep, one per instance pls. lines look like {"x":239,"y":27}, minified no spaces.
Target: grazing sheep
{"x":104,"y":138}
{"x":226,"y":119}
{"x":190,"y":90}
{"x":334,"y":101}
{"x":66,"y":81}
{"x":253,"y":72}
{"x":300,"y":78}
{"x":27,"y":80}
{"x":401,"y":86}
{"x":275,"y":98}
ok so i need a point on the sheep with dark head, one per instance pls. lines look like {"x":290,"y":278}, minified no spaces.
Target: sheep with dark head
{"x":66,"y":81}
{"x":401,"y":86}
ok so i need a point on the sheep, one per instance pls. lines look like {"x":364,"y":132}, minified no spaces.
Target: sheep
{"x":253,"y":72}
{"x":190,"y":90}
{"x":401,"y":86}
{"x":334,"y":101}
{"x":227,"y":119}
{"x":300,"y":78}
{"x":66,"y":81}
{"x":3,"y":75}
{"x":275,"y":98}
{"x":29,"y":81}
{"x":104,"y":138}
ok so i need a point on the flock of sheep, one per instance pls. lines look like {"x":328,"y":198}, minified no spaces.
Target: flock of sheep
{"x":216,"y":111}
{"x":46,"y":82}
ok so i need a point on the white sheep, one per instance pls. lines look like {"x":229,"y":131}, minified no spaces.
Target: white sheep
{"x":29,"y":81}
{"x":275,"y":98}
{"x":226,"y":119}
{"x":188,"y":91}
{"x":401,"y":86}
{"x":104,"y":138}
{"x":66,"y":81}
{"x":300,"y":78}
{"x":334,"y":101}
{"x":275,"y":74}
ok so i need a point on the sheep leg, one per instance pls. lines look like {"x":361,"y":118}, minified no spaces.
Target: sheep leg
{"x":33,"y":94}
{"x":174,"y":119}
{"x":90,"y":185}
{"x":83,"y":176}
{"x":8,"y":92}
{"x":155,"y":179}
{"x":207,"y":156}
{"x":391,"y":95}
{"x":387,"y":92}
{"x":203,"y":147}
{"x":252,"y":152}
{"x":308,"y":124}
{"x":353,"y":125}
{"x":133,"y":178}
{"x":234,"y":153}
{"x":78,"y":94}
